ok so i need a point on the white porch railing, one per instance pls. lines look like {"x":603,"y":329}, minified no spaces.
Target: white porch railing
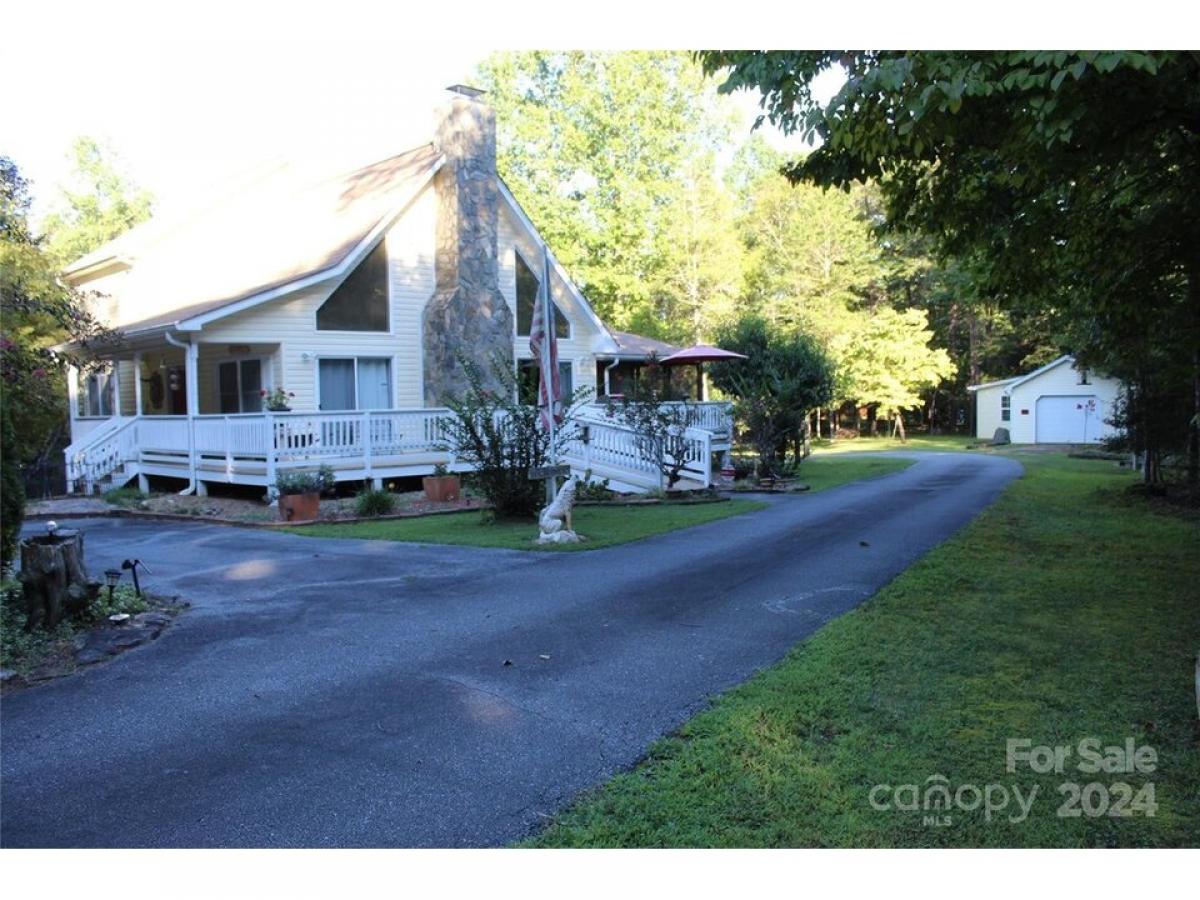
{"x":714,"y":416}
{"x":108,"y":450}
{"x":614,"y":450}
{"x":250,"y":448}
{"x":269,"y":440}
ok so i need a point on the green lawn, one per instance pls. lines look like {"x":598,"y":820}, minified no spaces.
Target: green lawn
{"x":951,"y":442}
{"x":823,"y":472}
{"x":1067,"y":610}
{"x":602,"y":525}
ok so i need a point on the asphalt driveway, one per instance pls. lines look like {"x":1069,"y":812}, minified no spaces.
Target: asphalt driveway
{"x":327,"y":693}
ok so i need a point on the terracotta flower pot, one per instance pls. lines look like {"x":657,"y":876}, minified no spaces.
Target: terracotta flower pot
{"x":299,"y":507}
{"x":441,"y":488}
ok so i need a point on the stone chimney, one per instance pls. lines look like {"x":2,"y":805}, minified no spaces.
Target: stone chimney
{"x":467,"y":315}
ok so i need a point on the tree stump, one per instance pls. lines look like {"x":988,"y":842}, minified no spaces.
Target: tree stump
{"x":53,"y":578}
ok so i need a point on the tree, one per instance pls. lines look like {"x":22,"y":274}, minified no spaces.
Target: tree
{"x":98,"y":203}
{"x":599,"y":148}
{"x":701,"y":278}
{"x":36,"y":312}
{"x":785,"y":375}
{"x":811,"y":255}
{"x":889,"y":361}
{"x":1070,"y":180}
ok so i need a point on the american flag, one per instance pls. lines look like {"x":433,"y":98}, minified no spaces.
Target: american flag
{"x":543,"y":344}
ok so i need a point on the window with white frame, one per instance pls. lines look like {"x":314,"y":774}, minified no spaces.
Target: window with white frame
{"x":96,"y":394}
{"x":1084,"y":376}
{"x":360,"y":382}
{"x":240,"y":386}
{"x":1005,"y":407}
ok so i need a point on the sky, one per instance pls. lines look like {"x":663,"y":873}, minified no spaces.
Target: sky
{"x":186,"y":116}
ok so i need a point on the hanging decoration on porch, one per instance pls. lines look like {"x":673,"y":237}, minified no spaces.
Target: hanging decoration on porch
{"x":157,"y":391}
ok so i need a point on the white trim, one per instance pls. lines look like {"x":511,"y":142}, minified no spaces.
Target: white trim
{"x":991,"y":384}
{"x":196,"y":323}
{"x":1046,"y":368}
{"x":558,"y":269}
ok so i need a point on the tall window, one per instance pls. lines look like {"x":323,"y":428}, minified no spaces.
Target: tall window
{"x":96,"y":398}
{"x":1005,"y":407}
{"x":239,"y":386}
{"x":364,"y":382}
{"x":360,"y":303}
{"x":527,"y":298}
{"x":1084,"y":376}
{"x":528,"y":372}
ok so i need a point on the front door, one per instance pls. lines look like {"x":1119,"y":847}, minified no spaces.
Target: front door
{"x":177,"y":391}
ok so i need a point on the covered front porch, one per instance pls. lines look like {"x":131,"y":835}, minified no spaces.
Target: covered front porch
{"x":197,"y":412}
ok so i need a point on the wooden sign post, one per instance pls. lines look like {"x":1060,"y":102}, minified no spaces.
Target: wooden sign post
{"x":550,"y":475}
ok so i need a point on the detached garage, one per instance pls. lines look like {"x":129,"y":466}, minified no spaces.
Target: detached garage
{"x":1059,"y":403}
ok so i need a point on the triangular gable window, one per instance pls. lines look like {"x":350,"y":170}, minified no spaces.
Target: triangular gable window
{"x":527,"y":296}
{"x":360,"y":303}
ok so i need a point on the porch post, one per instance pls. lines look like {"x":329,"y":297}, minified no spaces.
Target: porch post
{"x":73,"y":395}
{"x":116,"y":387}
{"x":192,"y":379}
{"x":192,"y":386}
{"x":137,"y":383}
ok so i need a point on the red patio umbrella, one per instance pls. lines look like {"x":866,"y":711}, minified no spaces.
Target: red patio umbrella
{"x":697,"y":356}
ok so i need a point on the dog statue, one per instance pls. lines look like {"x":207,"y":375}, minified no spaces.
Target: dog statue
{"x":555,"y":520}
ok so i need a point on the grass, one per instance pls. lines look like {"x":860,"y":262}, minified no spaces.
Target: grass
{"x":942,"y":442}
{"x":603,"y":526}
{"x":823,"y":472}
{"x":1067,"y":610}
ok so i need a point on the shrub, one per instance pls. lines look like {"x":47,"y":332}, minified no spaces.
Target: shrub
{"x":785,"y":375}
{"x":124,"y":496}
{"x":12,"y":492}
{"x":369,"y":504}
{"x":503,"y":439}
{"x":125,"y":600}
{"x":318,"y":482}
{"x":588,"y":489}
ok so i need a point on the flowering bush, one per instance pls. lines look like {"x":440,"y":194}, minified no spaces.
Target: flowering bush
{"x":318,"y":482}
{"x":277,"y":398}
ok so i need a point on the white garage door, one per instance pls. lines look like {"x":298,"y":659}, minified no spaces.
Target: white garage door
{"x":1068,"y":420}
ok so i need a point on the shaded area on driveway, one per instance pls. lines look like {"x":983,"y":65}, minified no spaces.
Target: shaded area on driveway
{"x":354,"y":693}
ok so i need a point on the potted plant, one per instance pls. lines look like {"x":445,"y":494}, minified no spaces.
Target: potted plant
{"x":441,"y":486}
{"x":277,"y":399}
{"x":300,"y":493}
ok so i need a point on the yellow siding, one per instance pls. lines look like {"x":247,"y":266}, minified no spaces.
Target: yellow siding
{"x":578,"y":349}
{"x":290,"y":322}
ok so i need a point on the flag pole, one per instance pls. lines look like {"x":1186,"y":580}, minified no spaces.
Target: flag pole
{"x":547,"y":377}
